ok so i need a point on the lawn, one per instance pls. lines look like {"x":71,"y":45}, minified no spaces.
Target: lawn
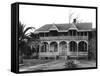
{"x":29,"y":64}
{"x":32,"y":62}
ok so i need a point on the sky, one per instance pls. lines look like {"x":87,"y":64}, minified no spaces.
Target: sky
{"x":37,"y":16}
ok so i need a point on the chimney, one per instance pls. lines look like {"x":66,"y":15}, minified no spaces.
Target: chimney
{"x":74,"y":20}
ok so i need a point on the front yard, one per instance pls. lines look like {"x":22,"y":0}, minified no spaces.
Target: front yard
{"x":33,"y":62}
{"x":37,"y":64}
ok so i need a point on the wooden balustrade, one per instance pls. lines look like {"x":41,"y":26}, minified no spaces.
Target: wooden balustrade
{"x":52,"y":54}
{"x":65,"y":38}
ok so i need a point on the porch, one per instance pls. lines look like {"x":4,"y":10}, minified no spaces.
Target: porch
{"x":63,"y":48}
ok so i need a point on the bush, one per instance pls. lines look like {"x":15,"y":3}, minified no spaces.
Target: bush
{"x":20,"y":60}
{"x":92,"y":49}
{"x":70,"y":64}
{"x":26,"y":57}
{"x":91,"y":56}
{"x":30,"y":57}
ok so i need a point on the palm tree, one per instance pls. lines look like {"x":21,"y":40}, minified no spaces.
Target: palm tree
{"x":34,"y":43}
{"x":23,"y":32}
{"x":23,"y":39}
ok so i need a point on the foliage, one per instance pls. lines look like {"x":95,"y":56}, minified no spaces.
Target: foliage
{"x":22,"y":32}
{"x":92,"y":46}
{"x":70,"y":64}
{"x":24,"y":48}
{"x":34,"y":42}
{"x":92,"y":49}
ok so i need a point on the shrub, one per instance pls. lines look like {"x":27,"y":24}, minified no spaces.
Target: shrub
{"x":20,"y":60}
{"x":70,"y":64}
{"x":92,"y":49}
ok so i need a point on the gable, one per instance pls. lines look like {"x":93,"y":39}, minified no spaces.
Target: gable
{"x":53,"y":27}
{"x":73,"y":27}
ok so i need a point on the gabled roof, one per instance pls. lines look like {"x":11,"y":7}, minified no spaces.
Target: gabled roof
{"x":53,"y":27}
{"x":73,"y":26}
{"x":66,"y":27}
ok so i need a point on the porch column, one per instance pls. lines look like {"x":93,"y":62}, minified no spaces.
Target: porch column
{"x":87,"y":46}
{"x":39,"y":49}
{"x":48,"y":46}
{"x":77,"y":49}
{"x":68,"y":52}
{"x":87,"y":50}
{"x":58,"y":47}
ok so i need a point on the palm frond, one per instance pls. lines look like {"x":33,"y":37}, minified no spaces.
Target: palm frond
{"x":28,"y":29}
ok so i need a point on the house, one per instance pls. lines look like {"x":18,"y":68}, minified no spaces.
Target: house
{"x":62,"y":40}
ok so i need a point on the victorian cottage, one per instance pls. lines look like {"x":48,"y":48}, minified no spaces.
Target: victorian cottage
{"x":62,"y":40}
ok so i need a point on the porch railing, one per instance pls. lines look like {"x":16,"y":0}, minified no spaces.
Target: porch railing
{"x":65,"y":38}
{"x":53,"y":54}
{"x":78,"y":53}
{"x":48,"y":54}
